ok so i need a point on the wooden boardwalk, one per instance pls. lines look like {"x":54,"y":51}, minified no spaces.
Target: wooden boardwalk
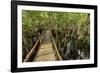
{"x":47,"y":50}
{"x":45,"y":53}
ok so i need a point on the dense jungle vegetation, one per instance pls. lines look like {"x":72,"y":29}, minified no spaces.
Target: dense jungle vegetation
{"x":71,"y":31}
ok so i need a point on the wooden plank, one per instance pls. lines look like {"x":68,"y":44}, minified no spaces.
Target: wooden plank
{"x":47,"y":57}
{"x":45,"y":53}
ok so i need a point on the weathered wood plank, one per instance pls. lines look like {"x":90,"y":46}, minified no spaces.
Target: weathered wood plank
{"x":45,"y":53}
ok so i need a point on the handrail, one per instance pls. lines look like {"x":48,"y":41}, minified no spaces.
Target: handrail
{"x":34,"y":47}
{"x":40,"y":42}
{"x":55,"y":48}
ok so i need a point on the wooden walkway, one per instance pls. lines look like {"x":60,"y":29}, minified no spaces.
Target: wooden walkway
{"x":45,"y":53}
{"x":47,"y":50}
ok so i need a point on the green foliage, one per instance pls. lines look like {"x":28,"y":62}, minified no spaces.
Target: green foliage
{"x":63,"y":23}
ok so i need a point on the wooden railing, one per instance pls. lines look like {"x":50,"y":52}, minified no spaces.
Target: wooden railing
{"x":58,"y":56}
{"x":34,"y":49}
{"x":31,"y":55}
